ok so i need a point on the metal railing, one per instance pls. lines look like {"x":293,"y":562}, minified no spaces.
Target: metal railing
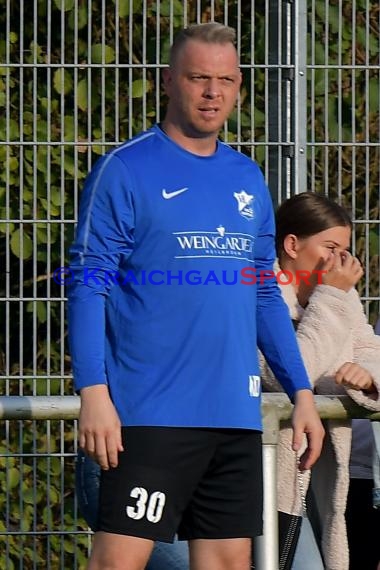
{"x":275,"y":408}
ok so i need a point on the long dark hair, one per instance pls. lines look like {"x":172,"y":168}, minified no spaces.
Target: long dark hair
{"x":307,"y":214}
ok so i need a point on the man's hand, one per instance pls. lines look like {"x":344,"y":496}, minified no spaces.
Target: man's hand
{"x":354,"y":376}
{"x":99,"y":426}
{"x":306,"y":420}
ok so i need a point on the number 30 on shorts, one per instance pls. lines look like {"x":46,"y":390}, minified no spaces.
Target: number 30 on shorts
{"x":147,"y":505}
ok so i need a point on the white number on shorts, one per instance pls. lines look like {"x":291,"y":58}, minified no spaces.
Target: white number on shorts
{"x":155,"y":506}
{"x":152,"y":508}
{"x":138,"y":511}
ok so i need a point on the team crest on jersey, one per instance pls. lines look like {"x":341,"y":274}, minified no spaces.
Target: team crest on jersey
{"x":245,"y":204}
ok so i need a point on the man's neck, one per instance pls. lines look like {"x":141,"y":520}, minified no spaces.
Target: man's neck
{"x":202,"y":146}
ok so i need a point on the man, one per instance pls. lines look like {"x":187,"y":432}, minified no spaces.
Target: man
{"x":163,"y":332}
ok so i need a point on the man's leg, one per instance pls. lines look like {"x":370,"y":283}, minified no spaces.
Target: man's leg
{"x":226,"y":507}
{"x":143,"y":498}
{"x":220,"y":554}
{"x":118,"y":552}
{"x":166,"y":556}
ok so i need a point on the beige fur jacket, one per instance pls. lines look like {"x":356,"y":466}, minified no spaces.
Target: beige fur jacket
{"x":331,"y":330}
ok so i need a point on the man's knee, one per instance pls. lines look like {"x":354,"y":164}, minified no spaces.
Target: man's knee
{"x":119,"y":552}
{"x":222,"y":554}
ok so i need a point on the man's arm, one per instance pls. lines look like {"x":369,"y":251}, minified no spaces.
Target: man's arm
{"x":104,"y":238}
{"x":277,"y":341}
{"x":306,"y":420}
{"x":99,"y":426}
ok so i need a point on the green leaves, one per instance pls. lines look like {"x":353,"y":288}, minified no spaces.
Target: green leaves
{"x":62,"y":81}
{"x":140,"y":88}
{"x":64,"y":5}
{"x":123,"y":7}
{"x":21,"y":244}
{"x":82,"y":95}
{"x":13,"y":477}
{"x":101,"y":53}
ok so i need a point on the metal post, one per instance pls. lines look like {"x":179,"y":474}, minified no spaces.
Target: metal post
{"x":266,"y":546}
{"x":299,"y":112}
{"x":280,"y":76}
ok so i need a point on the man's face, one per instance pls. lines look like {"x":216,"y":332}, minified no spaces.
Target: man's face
{"x":202,"y":87}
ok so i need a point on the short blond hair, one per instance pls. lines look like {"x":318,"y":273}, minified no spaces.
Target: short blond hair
{"x":210,"y":33}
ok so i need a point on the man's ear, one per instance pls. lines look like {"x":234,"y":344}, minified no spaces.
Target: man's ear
{"x":166,"y":78}
{"x":290,"y":246}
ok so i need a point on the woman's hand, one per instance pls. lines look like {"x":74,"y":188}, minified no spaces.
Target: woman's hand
{"x":354,"y":376}
{"x":342,"y":270}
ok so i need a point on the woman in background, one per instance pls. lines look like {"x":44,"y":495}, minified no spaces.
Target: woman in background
{"x":342,"y":356}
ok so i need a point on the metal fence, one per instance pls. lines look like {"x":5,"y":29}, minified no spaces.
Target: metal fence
{"x":78,"y":76}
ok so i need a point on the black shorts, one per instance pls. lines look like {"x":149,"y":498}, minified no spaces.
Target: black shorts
{"x":199,"y":483}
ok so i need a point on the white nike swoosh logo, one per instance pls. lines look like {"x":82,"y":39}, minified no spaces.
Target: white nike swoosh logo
{"x":168,"y":195}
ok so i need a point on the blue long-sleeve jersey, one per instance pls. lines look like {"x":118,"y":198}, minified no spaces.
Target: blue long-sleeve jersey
{"x":164,"y":307}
